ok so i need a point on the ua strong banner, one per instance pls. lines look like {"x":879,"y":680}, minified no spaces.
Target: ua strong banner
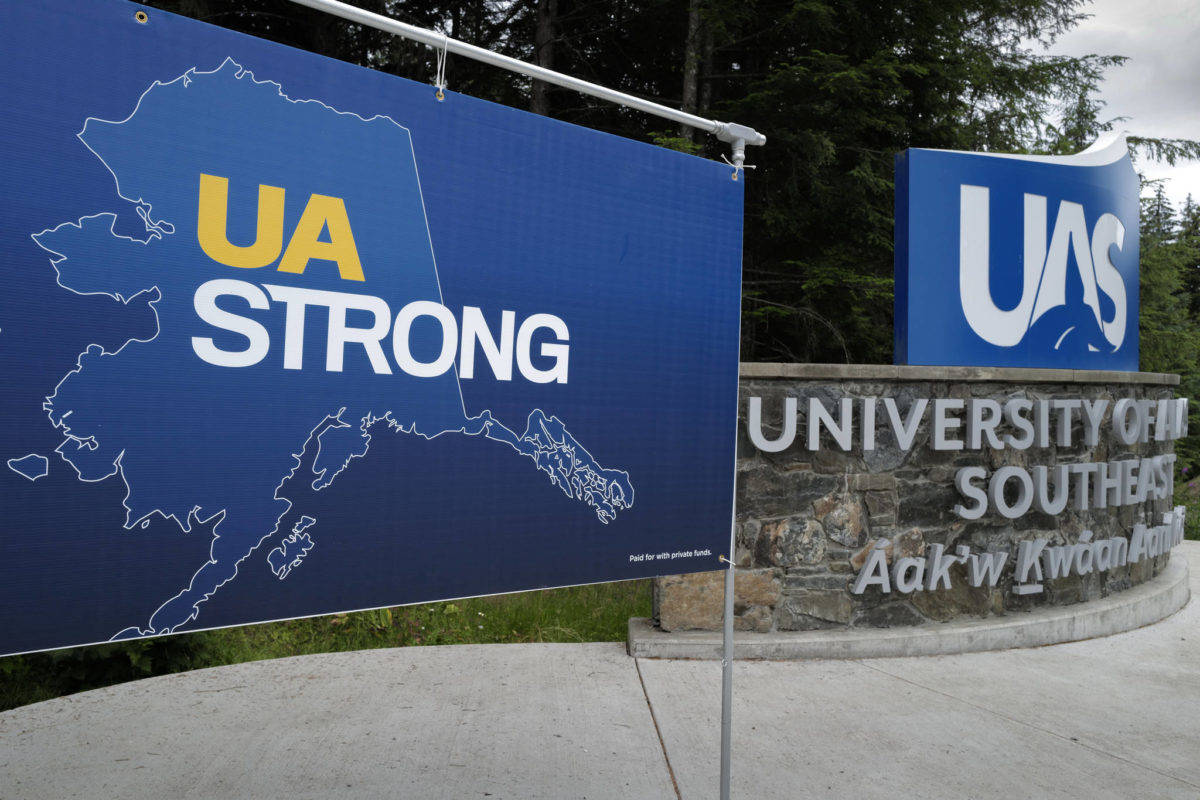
{"x":282,"y":336}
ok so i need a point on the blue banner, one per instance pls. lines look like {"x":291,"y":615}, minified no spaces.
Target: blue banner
{"x":282,"y":336}
{"x":1017,"y":261}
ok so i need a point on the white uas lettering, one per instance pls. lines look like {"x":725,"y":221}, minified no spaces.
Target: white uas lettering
{"x":1045,"y":268}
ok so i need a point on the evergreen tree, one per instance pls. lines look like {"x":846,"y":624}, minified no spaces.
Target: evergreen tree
{"x":1169,"y":329}
{"x":1189,"y":235}
{"x":841,"y":86}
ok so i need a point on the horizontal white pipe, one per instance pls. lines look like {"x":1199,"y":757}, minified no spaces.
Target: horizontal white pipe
{"x":725,"y":131}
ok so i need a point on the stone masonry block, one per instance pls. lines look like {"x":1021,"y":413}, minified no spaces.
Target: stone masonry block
{"x":696,"y":601}
{"x":873,"y":482}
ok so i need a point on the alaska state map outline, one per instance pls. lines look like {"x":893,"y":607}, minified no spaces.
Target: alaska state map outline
{"x":116,"y":409}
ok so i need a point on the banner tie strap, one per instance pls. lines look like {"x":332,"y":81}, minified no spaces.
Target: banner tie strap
{"x":440,"y":80}
{"x":739,"y":164}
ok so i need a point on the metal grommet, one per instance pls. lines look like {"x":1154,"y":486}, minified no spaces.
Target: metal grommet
{"x":440,"y":95}
{"x":142,"y":17}
{"x":735,"y":175}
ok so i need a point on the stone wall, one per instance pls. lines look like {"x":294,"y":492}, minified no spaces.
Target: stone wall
{"x":806,"y":519}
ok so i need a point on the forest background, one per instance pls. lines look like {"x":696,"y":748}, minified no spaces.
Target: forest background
{"x":839,"y":87}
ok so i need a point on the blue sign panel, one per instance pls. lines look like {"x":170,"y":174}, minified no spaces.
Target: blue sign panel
{"x":282,"y":336}
{"x":1017,"y":261}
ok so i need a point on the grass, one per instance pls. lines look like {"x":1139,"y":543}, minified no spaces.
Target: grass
{"x":1188,"y":495}
{"x":596,"y":613}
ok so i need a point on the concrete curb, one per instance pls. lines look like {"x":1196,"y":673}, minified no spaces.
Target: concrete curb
{"x":1141,"y":605}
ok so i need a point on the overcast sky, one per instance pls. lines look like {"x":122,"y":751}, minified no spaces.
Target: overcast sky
{"x":1158,"y":89}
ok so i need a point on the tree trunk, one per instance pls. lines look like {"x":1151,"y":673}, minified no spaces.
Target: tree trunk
{"x":706,"y":85}
{"x":543,"y":44}
{"x":691,"y":66}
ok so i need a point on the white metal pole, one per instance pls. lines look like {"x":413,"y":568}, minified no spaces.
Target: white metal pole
{"x":725,"y":131}
{"x":727,"y":680}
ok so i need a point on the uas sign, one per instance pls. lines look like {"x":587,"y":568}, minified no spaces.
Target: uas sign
{"x":1017,"y":261}
{"x":282,"y":336}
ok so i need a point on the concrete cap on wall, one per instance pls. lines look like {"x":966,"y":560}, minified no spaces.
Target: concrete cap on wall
{"x":871,"y":372}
